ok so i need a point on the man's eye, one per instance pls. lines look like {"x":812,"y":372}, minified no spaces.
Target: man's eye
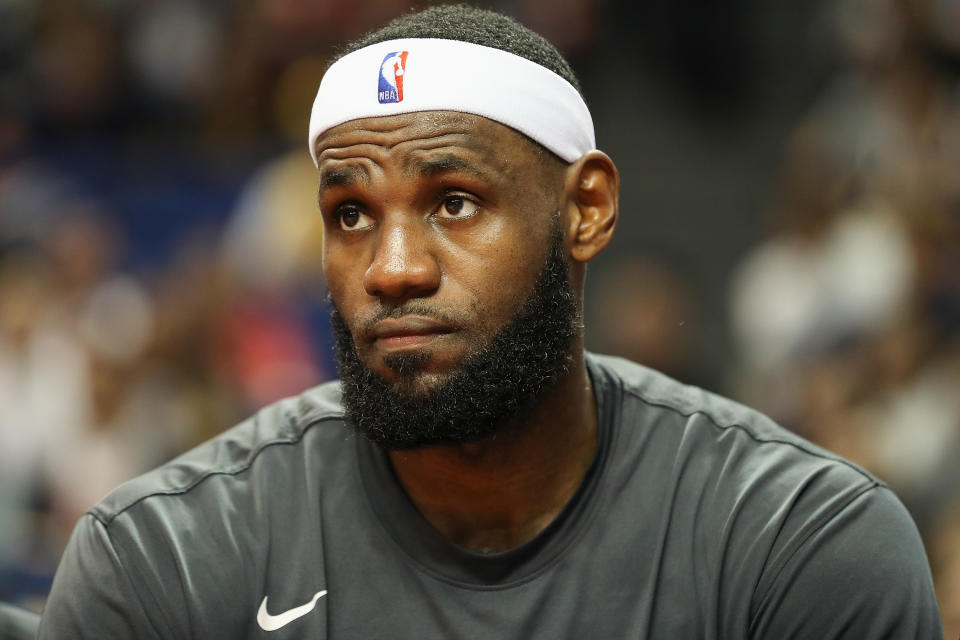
{"x":458,"y":207}
{"x":352,"y":219}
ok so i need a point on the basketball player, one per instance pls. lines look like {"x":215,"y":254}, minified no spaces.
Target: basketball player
{"x":474,"y":473}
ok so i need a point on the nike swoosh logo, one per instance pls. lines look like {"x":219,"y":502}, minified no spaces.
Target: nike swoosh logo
{"x":268,"y":622}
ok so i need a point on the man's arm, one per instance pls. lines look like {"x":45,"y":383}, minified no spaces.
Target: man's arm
{"x":92,"y":594}
{"x":862,"y":575}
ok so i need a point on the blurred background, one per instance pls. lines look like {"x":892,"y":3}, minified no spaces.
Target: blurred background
{"x":789,"y":236}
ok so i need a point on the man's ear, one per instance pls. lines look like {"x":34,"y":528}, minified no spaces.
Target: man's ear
{"x":593,"y":191}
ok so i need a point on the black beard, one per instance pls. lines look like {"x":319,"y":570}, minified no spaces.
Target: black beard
{"x":493,"y":388}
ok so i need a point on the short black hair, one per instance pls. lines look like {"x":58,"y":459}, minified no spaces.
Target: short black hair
{"x":478,"y":26}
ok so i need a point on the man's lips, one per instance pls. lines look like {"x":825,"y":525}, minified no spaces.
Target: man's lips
{"x":407,"y":332}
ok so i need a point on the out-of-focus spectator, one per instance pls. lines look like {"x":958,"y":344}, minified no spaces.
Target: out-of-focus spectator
{"x":838,"y":267}
{"x":184,"y":76}
{"x":272,"y":247}
{"x":275,"y":234}
{"x":118,"y":435}
{"x":74,"y":65}
{"x":192,"y":302}
{"x":34,"y":360}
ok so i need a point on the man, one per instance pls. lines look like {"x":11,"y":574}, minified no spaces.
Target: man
{"x":506,"y":485}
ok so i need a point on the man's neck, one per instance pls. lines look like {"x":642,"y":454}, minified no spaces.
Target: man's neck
{"x":498,"y":493}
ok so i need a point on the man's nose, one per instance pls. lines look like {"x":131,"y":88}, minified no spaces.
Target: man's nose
{"x":403,"y":266}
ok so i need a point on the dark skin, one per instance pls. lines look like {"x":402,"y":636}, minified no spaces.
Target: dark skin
{"x":450,"y":213}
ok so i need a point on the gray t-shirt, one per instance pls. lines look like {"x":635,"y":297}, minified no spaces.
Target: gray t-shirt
{"x":699,"y":518}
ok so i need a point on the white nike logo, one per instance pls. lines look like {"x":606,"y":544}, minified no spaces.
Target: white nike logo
{"x":268,"y":622}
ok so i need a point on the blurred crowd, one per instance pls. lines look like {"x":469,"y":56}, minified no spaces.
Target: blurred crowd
{"x":159,"y":250}
{"x":847,"y":318}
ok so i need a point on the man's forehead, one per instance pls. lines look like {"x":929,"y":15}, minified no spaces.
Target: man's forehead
{"x":453,"y":132}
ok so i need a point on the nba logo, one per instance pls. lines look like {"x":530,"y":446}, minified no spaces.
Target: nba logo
{"x":391,"y":77}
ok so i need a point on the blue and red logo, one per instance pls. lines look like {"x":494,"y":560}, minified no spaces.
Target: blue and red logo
{"x":391,"y":77}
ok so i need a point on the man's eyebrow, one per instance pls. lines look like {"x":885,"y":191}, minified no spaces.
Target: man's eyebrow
{"x":438,"y":164}
{"x":342,"y":176}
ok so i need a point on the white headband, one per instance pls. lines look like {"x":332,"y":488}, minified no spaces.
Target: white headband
{"x":427,"y":74}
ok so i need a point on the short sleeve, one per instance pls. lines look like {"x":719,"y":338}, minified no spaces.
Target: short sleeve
{"x":862,"y":574}
{"x":92,"y":595}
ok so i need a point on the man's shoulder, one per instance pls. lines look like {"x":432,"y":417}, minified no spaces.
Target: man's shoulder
{"x":285,"y":423}
{"x":717,"y":426}
{"x":785,"y":521}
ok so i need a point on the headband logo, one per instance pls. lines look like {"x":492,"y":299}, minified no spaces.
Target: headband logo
{"x":391,"y":77}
